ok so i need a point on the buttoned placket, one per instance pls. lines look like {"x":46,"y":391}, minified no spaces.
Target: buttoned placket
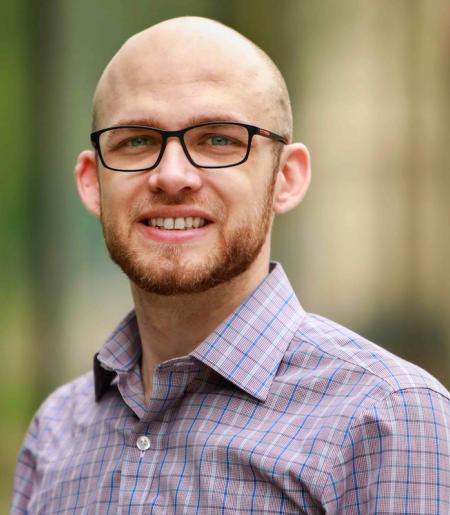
{"x":149,"y":437}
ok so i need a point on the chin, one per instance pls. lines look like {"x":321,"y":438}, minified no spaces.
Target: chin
{"x":173,"y":273}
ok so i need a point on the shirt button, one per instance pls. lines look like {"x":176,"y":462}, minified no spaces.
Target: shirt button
{"x":143,"y":443}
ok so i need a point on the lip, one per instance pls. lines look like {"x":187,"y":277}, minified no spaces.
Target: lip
{"x":175,"y":212}
{"x":174,"y":235}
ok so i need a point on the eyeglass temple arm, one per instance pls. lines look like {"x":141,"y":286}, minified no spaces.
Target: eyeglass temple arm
{"x":272,"y":135}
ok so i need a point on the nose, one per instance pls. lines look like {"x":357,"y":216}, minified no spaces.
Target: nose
{"x":174,"y":172}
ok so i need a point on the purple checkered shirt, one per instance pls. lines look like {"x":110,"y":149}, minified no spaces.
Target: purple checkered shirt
{"x":277,"y":411}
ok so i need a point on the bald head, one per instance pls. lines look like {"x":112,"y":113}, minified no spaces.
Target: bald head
{"x":190,"y":50}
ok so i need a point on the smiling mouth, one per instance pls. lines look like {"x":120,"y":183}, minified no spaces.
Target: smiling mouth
{"x":178,"y":224}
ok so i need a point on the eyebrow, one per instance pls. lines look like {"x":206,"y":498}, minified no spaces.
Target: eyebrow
{"x":193,"y":120}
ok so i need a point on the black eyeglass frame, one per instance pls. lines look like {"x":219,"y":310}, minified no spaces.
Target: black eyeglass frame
{"x":252,"y":131}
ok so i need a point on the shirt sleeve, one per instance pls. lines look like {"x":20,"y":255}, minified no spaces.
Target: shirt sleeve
{"x":25,"y":472}
{"x":395,"y":458}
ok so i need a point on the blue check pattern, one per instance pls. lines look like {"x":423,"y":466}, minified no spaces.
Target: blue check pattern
{"x":277,"y":411}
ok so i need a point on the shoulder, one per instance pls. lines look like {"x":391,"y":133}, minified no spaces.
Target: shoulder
{"x":332,"y":350}
{"x":76,"y":391}
{"x":380,"y":420}
{"x":65,"y":404}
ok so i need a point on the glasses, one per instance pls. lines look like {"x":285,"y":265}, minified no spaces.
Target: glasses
{"x":135,"y":148}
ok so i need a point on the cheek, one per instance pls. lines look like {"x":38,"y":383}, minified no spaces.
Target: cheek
{"x":116,"y":196}
{"x":245,"y":195}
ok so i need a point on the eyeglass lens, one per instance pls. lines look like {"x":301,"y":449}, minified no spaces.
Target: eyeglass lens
{"x":208,"y":145}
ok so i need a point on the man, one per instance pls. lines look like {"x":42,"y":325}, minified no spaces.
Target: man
{"x":218,"y":393}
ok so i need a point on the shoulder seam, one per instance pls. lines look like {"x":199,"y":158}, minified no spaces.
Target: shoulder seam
{"x":392,"y":387}
{"x":352,"y":363}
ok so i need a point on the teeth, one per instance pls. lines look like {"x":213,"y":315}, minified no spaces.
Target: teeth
{"x":177,"y":223}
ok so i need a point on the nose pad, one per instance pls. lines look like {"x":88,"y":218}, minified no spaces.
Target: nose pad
{"x":174,"y":172}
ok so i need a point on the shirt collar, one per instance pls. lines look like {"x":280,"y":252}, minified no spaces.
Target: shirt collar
{"x":120,"y":353}
{"x":246,"y":348}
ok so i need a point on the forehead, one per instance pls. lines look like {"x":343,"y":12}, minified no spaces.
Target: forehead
{"x":173,"y":84}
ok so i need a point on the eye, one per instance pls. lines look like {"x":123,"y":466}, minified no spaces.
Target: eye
{"x":218,"y":140}
{"x":138,"y":141}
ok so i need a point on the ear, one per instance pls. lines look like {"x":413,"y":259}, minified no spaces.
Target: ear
{"x":86,"y":178}
{"x":294,"y":176}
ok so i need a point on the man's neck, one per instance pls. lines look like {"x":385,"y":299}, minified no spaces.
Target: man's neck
{"x":173,"y":326}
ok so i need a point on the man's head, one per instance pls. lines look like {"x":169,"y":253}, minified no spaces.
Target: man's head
{"x":174,"y":75}
{"x":193,"y":48}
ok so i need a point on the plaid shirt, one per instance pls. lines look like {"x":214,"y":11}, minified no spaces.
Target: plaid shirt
{"x":277,"y":411}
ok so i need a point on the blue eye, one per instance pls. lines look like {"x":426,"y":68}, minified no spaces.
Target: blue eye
{"x":219,"y":140}
{"x":138,"y":142}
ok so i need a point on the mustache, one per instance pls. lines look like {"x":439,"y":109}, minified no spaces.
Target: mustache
{"x":187,"y":198}
{"x":179,"y":199}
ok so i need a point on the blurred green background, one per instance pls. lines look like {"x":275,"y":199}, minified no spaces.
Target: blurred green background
{"x":369,"y":247}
